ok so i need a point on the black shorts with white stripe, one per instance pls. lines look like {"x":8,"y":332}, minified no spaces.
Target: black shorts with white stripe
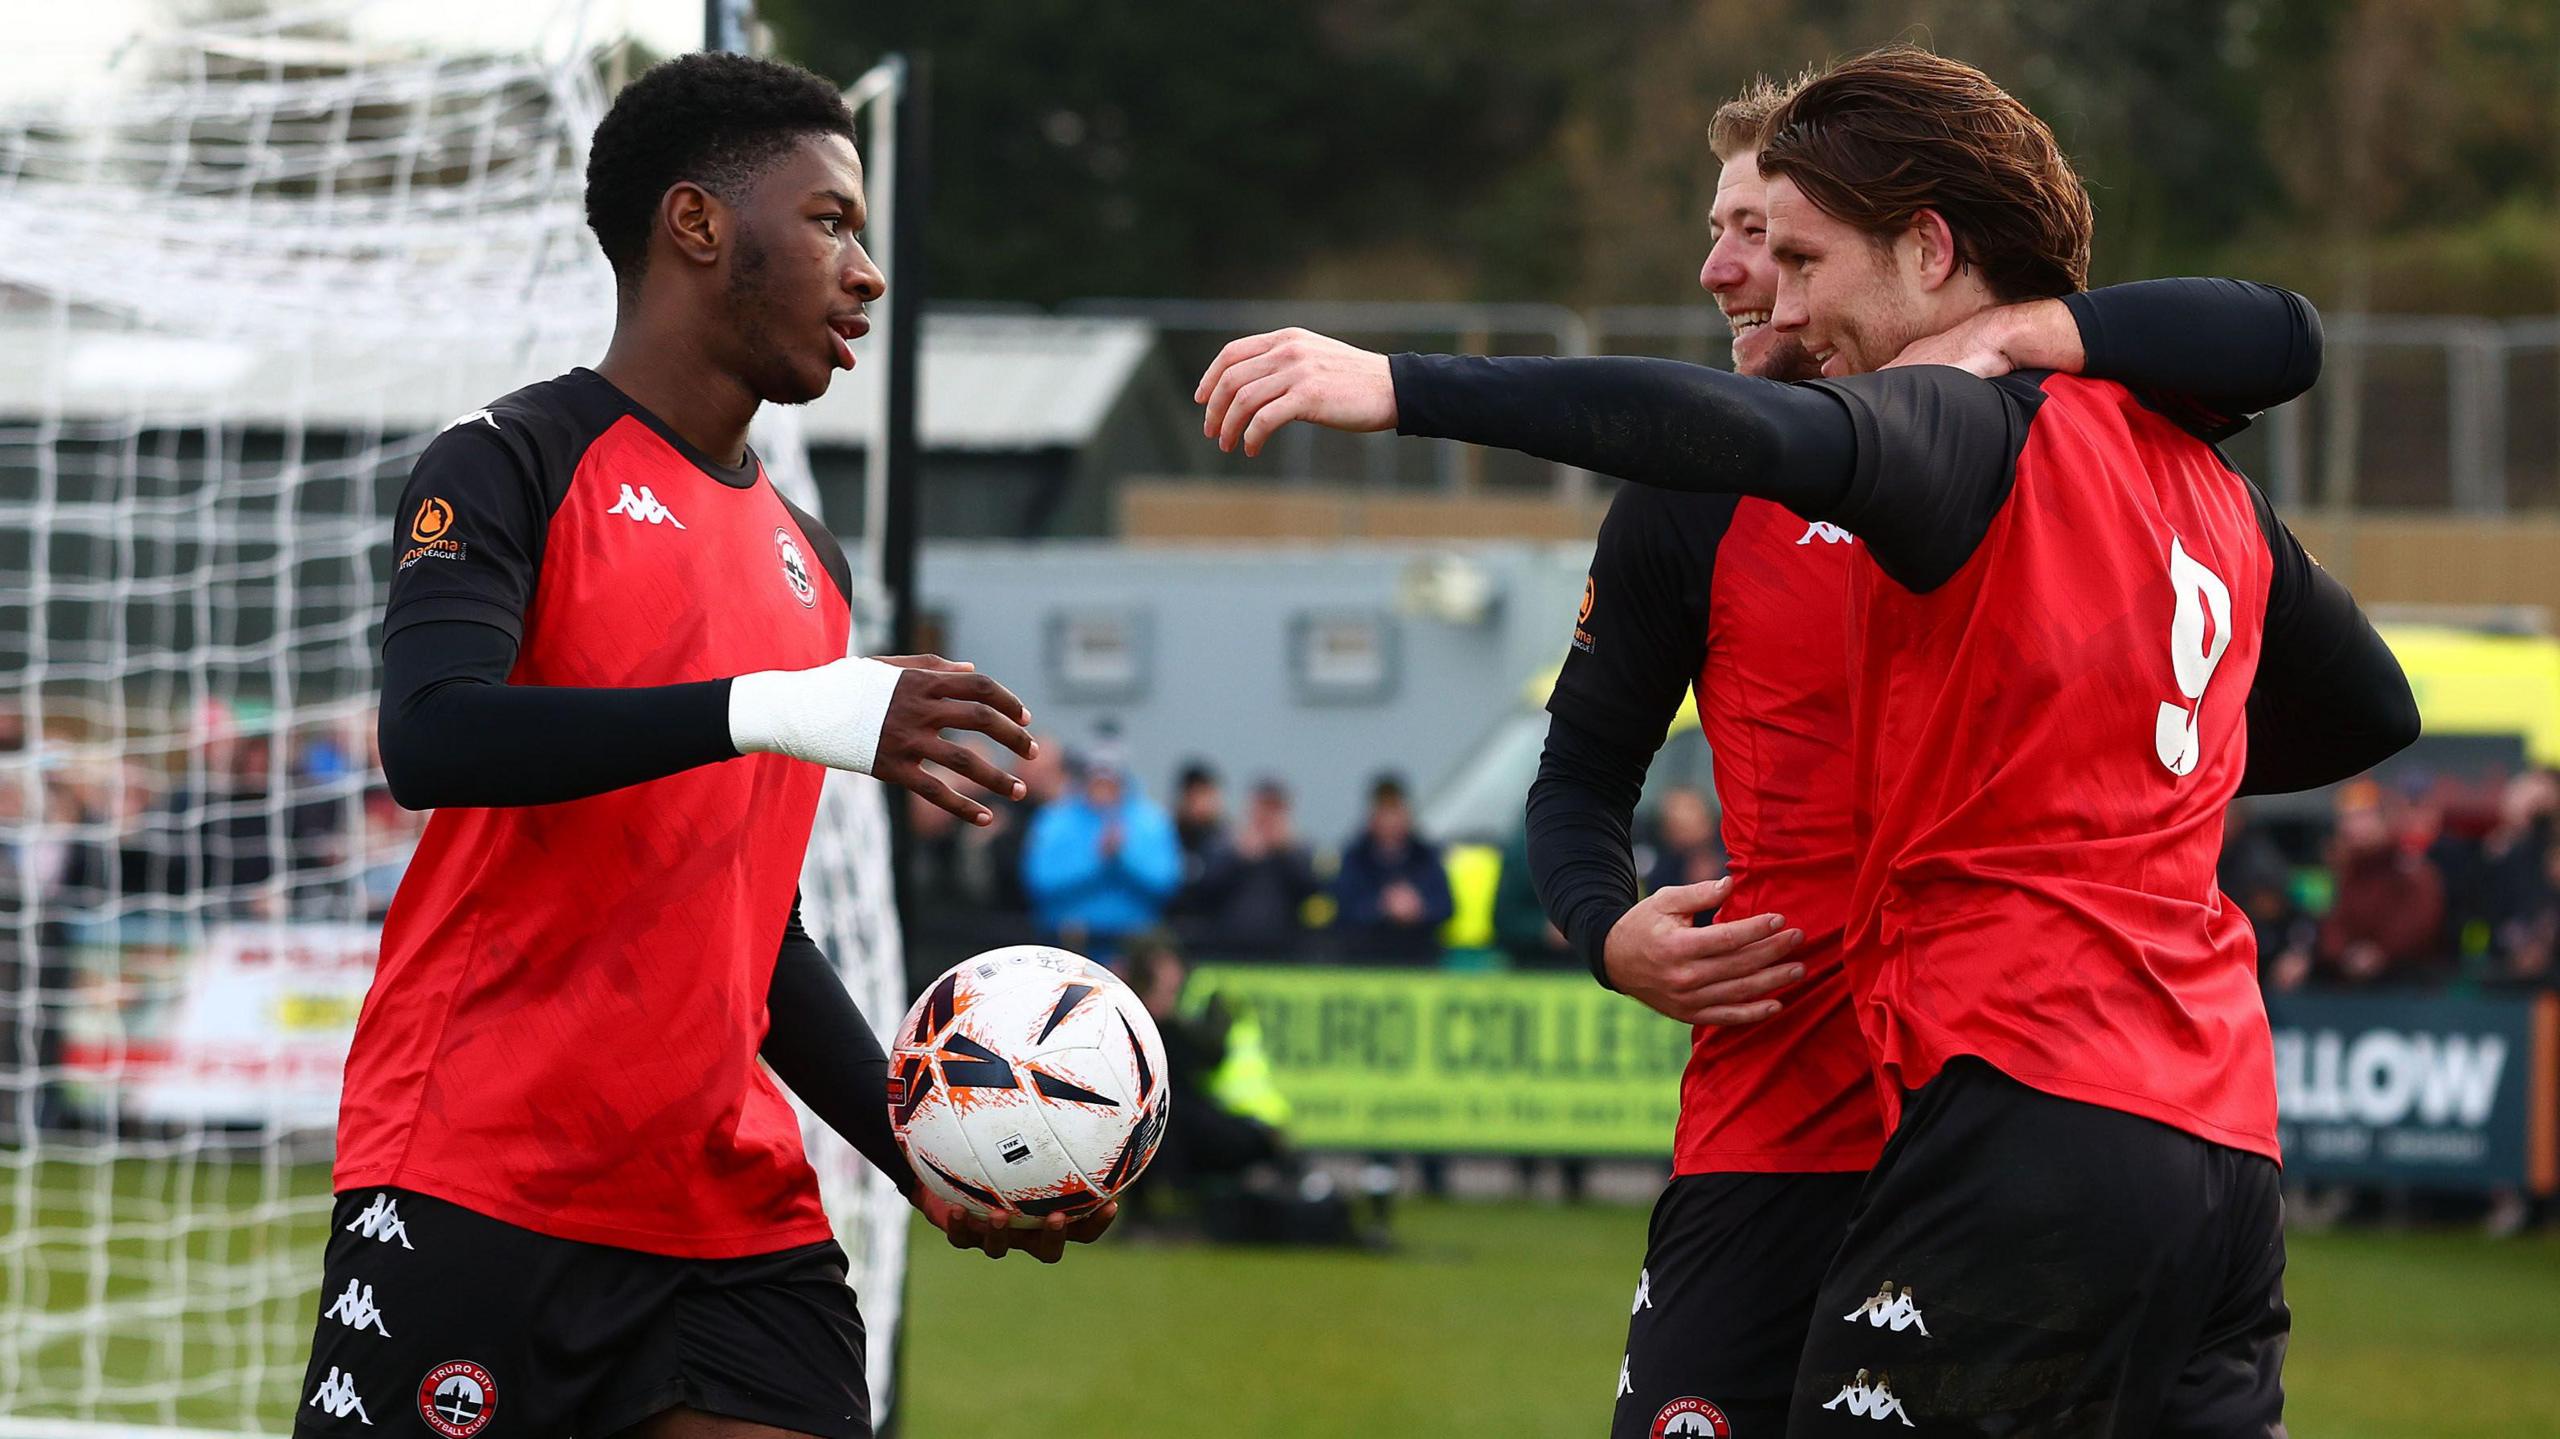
{"x":440,"y":1323}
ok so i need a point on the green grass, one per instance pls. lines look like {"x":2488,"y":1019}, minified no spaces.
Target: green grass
{"x":1491,"y":1319}
{"x":1508,"y":1319}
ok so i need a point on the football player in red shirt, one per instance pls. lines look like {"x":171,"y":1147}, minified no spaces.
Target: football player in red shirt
{"x":571,"y":1191}
{"x":2075,"y":634}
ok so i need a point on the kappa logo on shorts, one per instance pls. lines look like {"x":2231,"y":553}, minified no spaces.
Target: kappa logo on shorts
{"x":1884,"y":1308}
{"x":1827,"y":532}
{"x":1871,"y":1401}
{"x":336,"y":1397}
{"x":1691,"y":1418}
{"x":381,"y":1222}
{"x":457,"y":1399}
{"x":795,"y":567}
{"x":356,"y":1309}
{"x":1644,"y":1293}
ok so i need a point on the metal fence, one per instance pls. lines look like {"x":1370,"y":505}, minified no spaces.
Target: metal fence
{"x":2450,"y":413}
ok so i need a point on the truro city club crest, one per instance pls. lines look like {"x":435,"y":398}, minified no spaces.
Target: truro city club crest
{"x":457,"y":1399}
{"x":1691,"y":1419}
{"x":795,"y":566}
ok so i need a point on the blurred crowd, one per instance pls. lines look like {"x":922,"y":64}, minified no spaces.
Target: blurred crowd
{"x":2435,"y":884}
{"x":239,"y":819}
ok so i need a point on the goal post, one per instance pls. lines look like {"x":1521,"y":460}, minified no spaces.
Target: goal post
{"x":262,"y":258}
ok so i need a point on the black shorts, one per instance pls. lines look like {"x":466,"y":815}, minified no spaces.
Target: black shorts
{"x":1731,"y":1266}
{"x":441,"y":1323}
{"x":2026,"y":1265}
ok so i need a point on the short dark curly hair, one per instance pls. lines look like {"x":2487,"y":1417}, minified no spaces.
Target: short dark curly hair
{"x":715,"y":119}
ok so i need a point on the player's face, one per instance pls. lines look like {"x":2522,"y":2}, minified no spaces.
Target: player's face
{"x":1852,"y":302}
{"x":1742,"y":277}
{"x":799,"y":278}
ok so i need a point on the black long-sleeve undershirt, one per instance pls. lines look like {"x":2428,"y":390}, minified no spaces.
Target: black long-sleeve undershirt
{"x":454,"y":733}
{"x":1664,"y":423}
{"x":823,"y":1050}
{"x":1582,"y":836}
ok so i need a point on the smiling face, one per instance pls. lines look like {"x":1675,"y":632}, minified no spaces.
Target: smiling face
{"x":798,"y":276}
{"x":1743,"y":278}
{"x":1851,"y":299}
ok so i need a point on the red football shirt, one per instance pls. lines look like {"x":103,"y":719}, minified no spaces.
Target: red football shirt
{"x":1749,"y":603}
{"x":2059,"y":631}
{"x":563,"y":1031}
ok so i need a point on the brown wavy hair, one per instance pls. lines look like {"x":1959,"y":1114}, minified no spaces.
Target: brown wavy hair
{"x":1877,"y":139}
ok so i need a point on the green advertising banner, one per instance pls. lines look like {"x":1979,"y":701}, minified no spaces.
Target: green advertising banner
{"x":1431,"y":1060}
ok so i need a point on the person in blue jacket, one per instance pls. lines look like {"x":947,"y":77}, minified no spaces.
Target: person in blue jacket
{"x":1101,"y":863}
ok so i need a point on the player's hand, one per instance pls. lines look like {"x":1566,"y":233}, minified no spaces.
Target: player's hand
{"x":1261,"y":382}
{"x":1721,"y":974}
{"x":936,"y":695}
{"x":2035,"y":335}
{"x":996,"y":1238}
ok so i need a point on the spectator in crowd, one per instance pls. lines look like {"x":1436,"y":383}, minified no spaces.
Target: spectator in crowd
{"x":1206,"y":1140}
{"x":2514,"y":883}
{"x":2387,"y":923}
{"x":1101,"y":862}
{"x":2256,"y":876}
{"x":1688,"y":850}
{"x":1249,"y":901}
{"x":1199,"y":819}
{"x":1393,"y":890}
{"x":1044,"y":780}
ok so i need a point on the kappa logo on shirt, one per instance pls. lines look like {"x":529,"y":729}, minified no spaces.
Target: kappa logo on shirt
{"x":476,"y":417}
{"x":1871,"y":1401}
{"x":644,"y":507}
{"x":1827,"y":532}
{"x":1644,"y":1292}
{"x":1884,"y":1308}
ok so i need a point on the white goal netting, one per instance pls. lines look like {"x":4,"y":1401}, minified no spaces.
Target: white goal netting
{"x":257,"y":260}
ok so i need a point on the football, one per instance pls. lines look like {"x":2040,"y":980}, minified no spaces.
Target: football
{"x":1028,"y":1079}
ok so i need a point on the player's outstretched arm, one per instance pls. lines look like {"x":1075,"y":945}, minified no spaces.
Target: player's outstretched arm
{"x":2224,"y":350}
{"x":822,"y":1048}
{"x":1657,"y":422}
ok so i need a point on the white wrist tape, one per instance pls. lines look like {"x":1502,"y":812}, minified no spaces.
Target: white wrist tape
{"x":830,"y":715}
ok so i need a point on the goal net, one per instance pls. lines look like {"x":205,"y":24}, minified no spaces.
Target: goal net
{"x":259,"y":257}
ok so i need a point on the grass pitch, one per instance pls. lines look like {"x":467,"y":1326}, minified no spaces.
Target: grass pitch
{"x":1508,"y":1319}
{"x":1490,"y":1320}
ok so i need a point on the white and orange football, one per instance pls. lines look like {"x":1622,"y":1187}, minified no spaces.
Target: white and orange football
{"x":1030,"y":1080}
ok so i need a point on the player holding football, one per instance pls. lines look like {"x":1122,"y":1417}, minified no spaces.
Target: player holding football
{"x":570,"y":1199}
{"x":2070,"y":614}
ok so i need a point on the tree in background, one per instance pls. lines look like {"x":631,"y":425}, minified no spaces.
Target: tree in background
{"x":2401,"y":151}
